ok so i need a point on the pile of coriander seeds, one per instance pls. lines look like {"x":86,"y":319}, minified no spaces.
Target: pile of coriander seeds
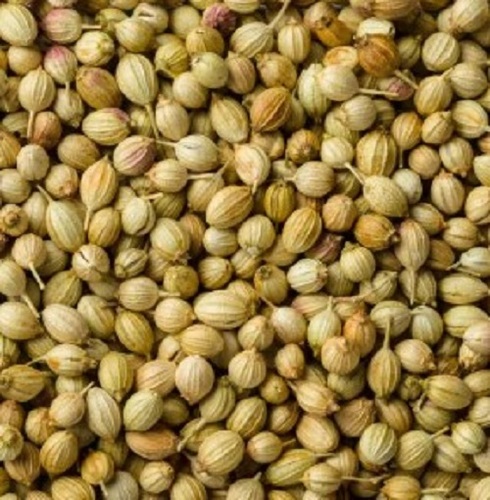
{"x":244,"y":249}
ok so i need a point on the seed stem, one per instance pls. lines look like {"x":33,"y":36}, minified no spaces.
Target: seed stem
{"x":373,"y":480}
{"x":30,"y":124}
{"x":86,"y":388}
{"x":183,"y":442}
{"x":393,"y":95}
{"x":44,"y":193}
{"x":167,"y":143}
{"x":103,"y":489}
{"x":168,"y":294}
{"x":354,"y":172}
{"x":440,"y":432}
{"x":30,"y":305}
{"x":153,"y":123}
{"x":208,"y":175}
{"x":154,"y":196}
{"x":412,"y":277}
{"x":279,"y":15}
{"x":389,"y":327}
{"x":289,"y":442}
{"x":402,"y":76}
{"x":36,"y":276}
{"x":267,"y":302}
{"x":86,"y":222}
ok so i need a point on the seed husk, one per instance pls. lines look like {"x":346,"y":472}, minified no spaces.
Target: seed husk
{"x":103,"y":414}
{"x":265,"y":271}
{"x":221,"y":452}
{"x":378,"y":444}
{"x":448,"y":392}
{"x":194,"y":378}
{"x":59,"y":452}
{"x":290,"y":468}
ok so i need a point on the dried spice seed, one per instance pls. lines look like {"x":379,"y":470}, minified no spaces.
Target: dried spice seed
{"x":214,"y":280}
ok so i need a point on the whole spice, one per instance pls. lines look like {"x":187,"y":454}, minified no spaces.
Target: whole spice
{"x":260,"y":303}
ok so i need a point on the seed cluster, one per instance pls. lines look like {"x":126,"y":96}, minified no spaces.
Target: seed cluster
{"x":244,"y":249}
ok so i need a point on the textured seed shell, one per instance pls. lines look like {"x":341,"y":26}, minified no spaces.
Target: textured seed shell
{"x":414,"y":246}
{"x":99,"y":317}
{"x":170,"y":238}
{"x":202,"y":340}
{"x":322,"y":479}
{"x":136,"y":78}
{"x":229,"y":119}
{"x":194,"y":378}
{"x":461,"y":289}
{"x":18,"y":27}
{"x":384,"y":373}
{"x":385,"y":197}
{"x":135,"y":332}
{"x":251,"y":489}
{"x":447,"y":457}
{"x":221,"y":309}
{"x":219,"y":403}
{"x":469,"y":437}
{"x":103,"y":414}
{"x":98,"y":185}
{"x":59,"y":452}
{"x":378,"y":444}
{"x":477,"y":337}
{"x":115,"y":375}
{"x":315,"y":398}
{"x":248,"y":417}
{"x":301,"y":230}
{"x":65,"y":324}
{"x":187,"y":486}
{"x":247,"y":369}
{"x":271,"y":109}
{"x":221,"y":452}
{"x":142,"y":410}
{"x":98,"y":88}
{"x":290,"y":468}
{"x":64,"y":222}
{"x":72,"y":485}
{"x":36,"y":90}
{"x":448,"y":392}
{"x":157,"y":375}
{"x":107,"y":126}
{"x":252,"y":39}
{"x":229,"y":207}
{"x":415,"y":449}
{"x":317,"y":434}
{"x":21,"y":383}
{"x":17,"y":322}
{"x":156,"y":444}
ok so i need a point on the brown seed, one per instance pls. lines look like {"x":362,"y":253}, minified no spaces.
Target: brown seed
{"x":270,"y":110}
{"x":301,"y":230}
{"x":97,"y":467}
